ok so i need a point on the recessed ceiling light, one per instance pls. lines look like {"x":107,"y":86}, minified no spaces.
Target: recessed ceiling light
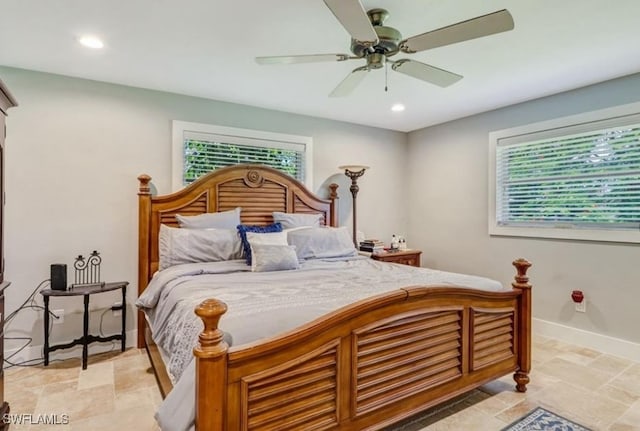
{"x":398,"y":107}
{"x":91,"y":42}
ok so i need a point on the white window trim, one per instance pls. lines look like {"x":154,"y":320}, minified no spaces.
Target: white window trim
{"x":624,"y":236}
{"x":234,"y":134}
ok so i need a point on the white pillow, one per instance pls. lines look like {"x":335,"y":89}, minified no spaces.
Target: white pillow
{"x":268,"y":257}
{"x":177,"y":246}
{"x":292,"y":220}
{"x":270,"y":238}
{"x":264,"y":238}
{"x":322,"y":242}
{"x":220,"y":220}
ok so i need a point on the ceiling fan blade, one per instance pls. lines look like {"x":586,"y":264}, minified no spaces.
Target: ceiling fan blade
{"x":354,"y":19}
{"x":425,"y":72}
{"x":349,"y":83}
{"x":291,"y":59}
{"x":485,"y":25}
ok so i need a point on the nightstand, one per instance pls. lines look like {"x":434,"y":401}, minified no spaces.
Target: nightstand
{"x":86,"y":339}
{"x":404,"y":257}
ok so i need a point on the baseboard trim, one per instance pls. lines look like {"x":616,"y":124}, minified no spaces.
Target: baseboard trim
{"x":603,"y":343}
{"x":35,"y":352}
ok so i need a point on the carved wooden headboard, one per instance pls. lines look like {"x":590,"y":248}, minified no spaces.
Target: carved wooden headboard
{"x":257,"y":189}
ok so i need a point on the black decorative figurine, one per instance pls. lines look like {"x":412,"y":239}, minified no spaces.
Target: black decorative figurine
{"x":87,"y":271}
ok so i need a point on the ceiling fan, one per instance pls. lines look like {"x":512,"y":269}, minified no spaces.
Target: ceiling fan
{"x":376,"y":43}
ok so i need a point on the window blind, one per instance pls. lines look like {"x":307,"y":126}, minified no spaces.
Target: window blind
{"x":204,"y":152}
{"x":584,"y":180}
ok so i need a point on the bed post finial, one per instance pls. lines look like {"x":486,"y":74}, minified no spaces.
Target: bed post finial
{"x":144,"y":228}
{"x":211,"y":368}
{"x":210,"y":311}
{"x":333,"y":191}
{"x":145,"y":189}
{"x":522,"y":280}
{"x":521,"y":376}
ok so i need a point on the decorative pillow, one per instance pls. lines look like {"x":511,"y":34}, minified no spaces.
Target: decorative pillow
{"x":269,"y":257}
{"x":322,"y":242}
{"x":290,"y":220}
{"x":243,"y":229}
{"x":270,"y":238}
{"x":178,"y":246}
{"x":221,"y":220}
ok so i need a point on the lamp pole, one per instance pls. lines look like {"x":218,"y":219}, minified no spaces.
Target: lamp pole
{"x":354,"y":172}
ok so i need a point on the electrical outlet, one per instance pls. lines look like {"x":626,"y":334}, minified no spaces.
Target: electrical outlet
{"x":581,"y":307}
{"x":116,"y":309}
{"x":60,"y":314}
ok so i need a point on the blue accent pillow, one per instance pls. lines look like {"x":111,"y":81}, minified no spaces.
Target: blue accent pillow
{"x":244,"y":228}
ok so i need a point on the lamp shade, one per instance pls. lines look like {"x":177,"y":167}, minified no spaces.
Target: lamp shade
{"x":353,"y":168}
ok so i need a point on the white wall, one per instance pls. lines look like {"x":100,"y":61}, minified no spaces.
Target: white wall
{"x":447,"y":177}
{"x":75,"y":148}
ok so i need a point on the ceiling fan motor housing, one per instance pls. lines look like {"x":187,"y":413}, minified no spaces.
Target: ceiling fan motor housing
{"x":388,"y":37}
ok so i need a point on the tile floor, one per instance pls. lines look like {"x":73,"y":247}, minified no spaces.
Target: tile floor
{"x":118,"y":392}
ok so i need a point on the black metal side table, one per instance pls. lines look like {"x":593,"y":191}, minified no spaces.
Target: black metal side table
{"x":86,"y":338}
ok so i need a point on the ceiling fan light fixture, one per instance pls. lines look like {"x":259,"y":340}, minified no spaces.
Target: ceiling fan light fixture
{"x":375,"y":43}
{"x":398,"y":107}
{"x":90,"y":41}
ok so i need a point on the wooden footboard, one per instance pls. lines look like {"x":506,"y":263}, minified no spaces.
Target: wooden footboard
{"x":367,"y":365}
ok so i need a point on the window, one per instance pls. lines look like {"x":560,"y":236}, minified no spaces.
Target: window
{"x":574,"y":178}
{"x":201,"y":148}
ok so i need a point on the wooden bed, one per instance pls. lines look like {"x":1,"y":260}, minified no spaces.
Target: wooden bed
{"x":364,"y":366}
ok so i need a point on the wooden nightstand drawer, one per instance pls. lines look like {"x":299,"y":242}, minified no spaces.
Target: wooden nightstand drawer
{"x":404,"y":257}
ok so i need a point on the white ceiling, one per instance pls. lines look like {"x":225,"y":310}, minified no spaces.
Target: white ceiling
{"x":206,"y":48}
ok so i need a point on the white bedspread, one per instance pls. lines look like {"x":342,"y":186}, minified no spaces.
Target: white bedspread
{"x":262,"y":305}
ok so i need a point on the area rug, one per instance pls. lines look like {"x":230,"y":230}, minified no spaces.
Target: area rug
{"x":540,"y":419}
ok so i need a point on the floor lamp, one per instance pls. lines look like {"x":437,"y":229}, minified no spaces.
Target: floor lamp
{"x":354,"y":172}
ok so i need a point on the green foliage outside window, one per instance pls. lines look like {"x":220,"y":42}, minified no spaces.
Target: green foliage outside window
{"x":202,"y":157}
{"x":589,"y":179}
